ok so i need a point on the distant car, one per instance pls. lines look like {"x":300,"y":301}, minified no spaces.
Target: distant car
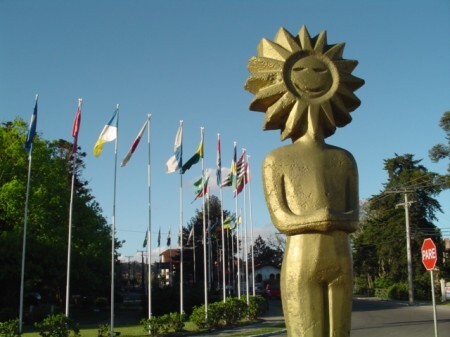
{"x":259,"y":289}
{"x":272,"y":291}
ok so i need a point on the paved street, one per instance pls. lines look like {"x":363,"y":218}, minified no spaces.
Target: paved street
{"x":372,"y":318}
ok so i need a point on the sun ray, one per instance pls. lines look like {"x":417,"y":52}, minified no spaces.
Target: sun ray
{"x":320,"y":42}
{"x":264,"y":65}
{"x":330,"y":123}
{"x":341,"y":115}
{"x":278,"y":113}
{"x":351,"y":82}
{"x":267,"y":96}
{"x":313,"y":117}
{"x":346,"y":66}
{"x":286,"y":40}
{"x":305,"y":39}
{"x":296,"y":115}
{"x":348,"y":94}
{"x":272,"y":50}
{"x":336,"y":51}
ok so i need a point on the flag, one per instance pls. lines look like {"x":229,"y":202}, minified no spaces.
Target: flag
{"x":76,"y":127}
{"x":231,"y":179}
{"x":201,"y":188}
{"x":108,"y":134}
{"x":196,"y":157}
{"x":134,"y":145}
{"x":145,"y":240}
{"x":176,"y":161}
{"x":229,"y":222}
{"x":241,"y":174}
{"x":168,"y":239}
{"x":215,"y":226}
{"x":32,"y":128}
{"x":159,"y":237}
{"x":242,"y":180}
{"x":191,"y":235}
{"x":198,"y":185}
{"x":218,"y":163}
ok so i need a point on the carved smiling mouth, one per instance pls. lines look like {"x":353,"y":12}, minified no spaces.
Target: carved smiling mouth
{"x":311,"y":91}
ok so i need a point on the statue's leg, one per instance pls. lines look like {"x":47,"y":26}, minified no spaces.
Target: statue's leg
{"x":340,"y":289}
{"x":302,"y":295}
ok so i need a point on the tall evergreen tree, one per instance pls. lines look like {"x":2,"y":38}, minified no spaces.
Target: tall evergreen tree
{"x":442,"y":151}
{"x":380,"y":243}
{"x":267,"y":253}
{"x":213,"y":242}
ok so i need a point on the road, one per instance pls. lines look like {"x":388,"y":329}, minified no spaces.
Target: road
{"x":372,"y":318}
{"x":377,"y":318}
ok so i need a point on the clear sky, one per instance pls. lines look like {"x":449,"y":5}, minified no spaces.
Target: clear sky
{"x":187,"y":60}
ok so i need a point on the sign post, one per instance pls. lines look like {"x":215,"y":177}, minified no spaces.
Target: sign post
{"x":429,"y":259}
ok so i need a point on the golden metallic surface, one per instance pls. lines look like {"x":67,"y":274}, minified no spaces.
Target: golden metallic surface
{"x":305,"y":88}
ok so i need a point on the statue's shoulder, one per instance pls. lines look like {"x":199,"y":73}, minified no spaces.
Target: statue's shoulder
{"x":278,"y":154}
{"x":343,"y":153}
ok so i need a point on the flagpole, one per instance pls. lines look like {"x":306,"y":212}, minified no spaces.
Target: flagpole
{"x":244,"y":230}
{"x":219,"y":182}
{"x":24,"y":242}
{"x":251,"y":223}
{"x":69,"y":243}
{"x":181,"y":230}
{"x":149,"y":228}
{"x":113,"y":227}
{"x":205,"y":276}
{"x":238,"y":252}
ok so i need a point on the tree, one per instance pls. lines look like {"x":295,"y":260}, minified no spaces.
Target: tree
{"x":193,"y":236}
{"x":267,"y":253}
{"x":47,"y":232}
{"x":380,"y":244}
{"x":441,"y":151}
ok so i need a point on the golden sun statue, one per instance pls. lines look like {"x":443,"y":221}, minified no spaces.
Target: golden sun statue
{"x":295,"y":76}
{"x":311,"y":188}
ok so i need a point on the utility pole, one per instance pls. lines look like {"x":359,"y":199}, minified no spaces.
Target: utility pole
{"x":407,"y":204}
{"x":142,"y":271}
{"x":129,"y":271}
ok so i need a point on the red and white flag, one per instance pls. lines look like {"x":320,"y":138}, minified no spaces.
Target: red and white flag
{"x":76,"y":127}
{"x":134,"y":145}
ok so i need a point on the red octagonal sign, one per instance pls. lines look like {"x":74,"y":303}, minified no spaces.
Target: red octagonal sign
{"x":429,"y":254}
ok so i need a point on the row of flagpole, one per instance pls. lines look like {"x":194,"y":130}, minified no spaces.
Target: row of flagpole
{"x":175,"y":163}
{"x":238,"y":178}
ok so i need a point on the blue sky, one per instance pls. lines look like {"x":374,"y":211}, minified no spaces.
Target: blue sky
{"x":187,"y":60}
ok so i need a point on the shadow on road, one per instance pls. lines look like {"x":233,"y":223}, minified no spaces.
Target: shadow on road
{"x":372,"y":304}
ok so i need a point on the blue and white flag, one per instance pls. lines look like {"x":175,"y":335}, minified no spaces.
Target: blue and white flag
{"x":32,"y":128}
{"x":176,"y":161}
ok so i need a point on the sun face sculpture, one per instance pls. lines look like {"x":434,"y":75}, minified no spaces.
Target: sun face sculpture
{"x":302,"y":83}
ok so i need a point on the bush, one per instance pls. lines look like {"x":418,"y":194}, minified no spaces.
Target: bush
{"x":383,"y":282}
{"x":57,"y":326}
{"x":152,"y":325}
{"x":234,"y":310}
{"x":215,"y":316}
{"x":176,"y":321}
{"x":9,"y":328}
{"x":103,"y":331}
{"x":257,"y":306}
{"x":398,"y":291}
